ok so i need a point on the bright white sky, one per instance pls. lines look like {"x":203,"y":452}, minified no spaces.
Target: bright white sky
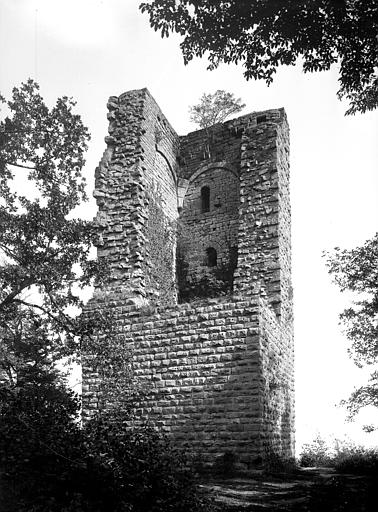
{"x":91,"y":49}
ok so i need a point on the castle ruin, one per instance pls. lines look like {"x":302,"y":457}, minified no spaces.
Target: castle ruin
{"x":196,"y":232}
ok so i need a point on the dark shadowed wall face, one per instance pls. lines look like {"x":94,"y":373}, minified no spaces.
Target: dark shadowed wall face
{"x":209,"y":221}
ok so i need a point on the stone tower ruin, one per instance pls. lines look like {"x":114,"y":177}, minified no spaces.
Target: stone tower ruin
{"x":195,"y":230}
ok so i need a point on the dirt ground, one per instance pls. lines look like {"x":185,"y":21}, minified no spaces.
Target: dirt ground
{"x":307,"y":490}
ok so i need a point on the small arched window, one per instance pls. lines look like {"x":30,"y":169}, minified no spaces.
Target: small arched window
{"x":211,"y":257}
{"x":205,"y":199}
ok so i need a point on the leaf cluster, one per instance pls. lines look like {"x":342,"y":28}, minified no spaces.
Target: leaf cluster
{"x":265,"y":34}
{"x":110,"y":358}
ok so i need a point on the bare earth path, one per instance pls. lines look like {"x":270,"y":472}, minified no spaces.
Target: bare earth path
{"x":309,"y":490}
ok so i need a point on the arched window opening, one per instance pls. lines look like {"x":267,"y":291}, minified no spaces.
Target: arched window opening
{"x":205,"y":199}
{"x":211,"y":257}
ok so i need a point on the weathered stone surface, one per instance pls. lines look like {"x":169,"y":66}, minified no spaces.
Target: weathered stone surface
{"x":219,"y":373}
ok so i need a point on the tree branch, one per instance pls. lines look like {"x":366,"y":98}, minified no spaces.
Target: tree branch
{"x":25,"y":284}
{"x":20,"y":165}
{"x":8,"y":252}
{"x":67,"y":319}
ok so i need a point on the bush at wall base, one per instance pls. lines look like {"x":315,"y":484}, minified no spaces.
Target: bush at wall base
{"x":49,"y":464}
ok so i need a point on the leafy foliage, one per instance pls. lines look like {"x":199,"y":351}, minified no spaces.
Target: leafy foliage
{"x":39,"y":442}
{"x":315,"y":454}
{"x":263,"y":35}
{"x":215,"y":108}
{"x":341,"y":493}
{"x":117,"y":388}
{"x":204,"y":283}
{"x":144,"y":472}
{"x":344,"y":456}
{"x":49,"y":464}
{"x":356,"y":459}
{"x":46,"y":252}
{"x":356,"y":270}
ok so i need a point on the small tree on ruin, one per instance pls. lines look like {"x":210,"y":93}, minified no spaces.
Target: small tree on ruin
{"x":215,"y":108}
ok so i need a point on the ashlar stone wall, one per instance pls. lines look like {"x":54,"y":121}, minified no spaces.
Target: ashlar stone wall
{"x":218,"y":373}
{"x":214,"y":374}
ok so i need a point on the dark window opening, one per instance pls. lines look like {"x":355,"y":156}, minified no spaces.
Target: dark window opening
{"x":205,"y":199}
{"x":211,"y":257}
{"x":260,"y":119}
{"x":217,"y":202}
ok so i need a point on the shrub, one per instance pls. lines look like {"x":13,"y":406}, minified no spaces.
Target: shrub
{"x":225,"y":465}
{"x":40,"y":444}
{"x":142,"y":472}
{"x":351,"y":458}
{"x":316,"y":453}
{"x":51,"y":465}
{"x":345,"y":456}
{"x":203,"y":284}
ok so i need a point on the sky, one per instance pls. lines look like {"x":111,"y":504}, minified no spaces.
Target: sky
{"x":92,"y":49}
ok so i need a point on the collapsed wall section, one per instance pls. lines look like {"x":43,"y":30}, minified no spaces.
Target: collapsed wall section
{"x":136,"y":195}
{"x":209,"y":224}
{"x":243,"y":167}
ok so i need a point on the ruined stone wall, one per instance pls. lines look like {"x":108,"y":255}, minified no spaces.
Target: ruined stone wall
{"x":255,"y":150}
{"x":160,"y":148}
{"x":262,"y":240}
{"x":219,"y":373}
{"x":216,"y":228}
{"x":277,"y":367}
{"x":219,"y":144}
{"x":136,"y":176}
{"x":209,"y":158}
{"x":216,"y":375}
{"x":200,"y":364}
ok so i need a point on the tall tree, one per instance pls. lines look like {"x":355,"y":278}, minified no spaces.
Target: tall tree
{"x":44,"y":262}
{"x":47,"y":462}
{"x":356,"y":270}
{"x":264,"y":34}
{"x":45,"y":251}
